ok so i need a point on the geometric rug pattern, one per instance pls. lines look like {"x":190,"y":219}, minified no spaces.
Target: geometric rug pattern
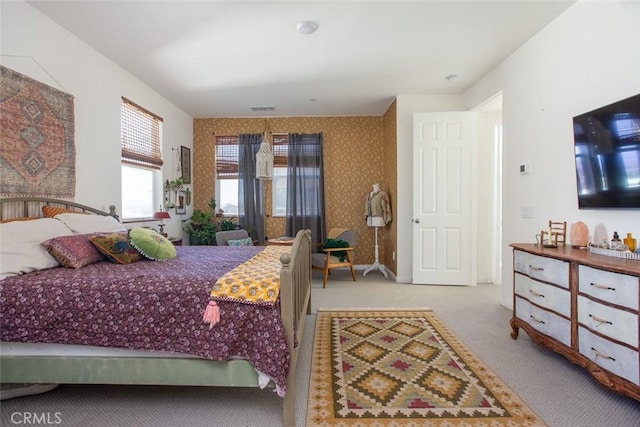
{"x":403,"y":367}
{"x":37,"y":130}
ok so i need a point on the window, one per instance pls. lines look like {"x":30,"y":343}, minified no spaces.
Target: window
{"x":141,"y":159}
{"x":137,"y":191}
{"x":279,"y":183}
{"x":227,"y":174}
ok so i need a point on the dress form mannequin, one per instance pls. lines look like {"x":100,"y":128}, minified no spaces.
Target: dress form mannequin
{"x":374,"y":217}
{"x":377,"y":214}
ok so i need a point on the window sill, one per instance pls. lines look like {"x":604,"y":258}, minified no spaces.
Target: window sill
{"x":132,"y":220}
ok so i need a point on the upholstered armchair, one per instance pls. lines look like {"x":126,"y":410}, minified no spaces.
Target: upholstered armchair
{"x":335,"y":257}
{"x":223,"y":237}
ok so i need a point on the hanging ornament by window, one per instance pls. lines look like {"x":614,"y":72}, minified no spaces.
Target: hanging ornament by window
{"x":264,"y":160}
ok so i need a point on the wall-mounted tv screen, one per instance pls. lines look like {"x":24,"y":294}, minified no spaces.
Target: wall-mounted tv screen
{"x":607,"y":152}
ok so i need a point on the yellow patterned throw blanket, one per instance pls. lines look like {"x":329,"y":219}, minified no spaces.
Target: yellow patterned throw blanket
{"x":256,"y":281}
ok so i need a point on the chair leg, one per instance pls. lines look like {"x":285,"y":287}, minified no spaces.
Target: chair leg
{"x":353,"y":273}
{"x":326,"y":272}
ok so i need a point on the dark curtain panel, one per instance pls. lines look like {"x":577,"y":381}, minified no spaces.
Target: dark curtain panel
{"x":250,"y":200}
{"x":305,"y":186}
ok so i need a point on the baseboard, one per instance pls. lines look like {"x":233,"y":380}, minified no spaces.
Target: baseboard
{"x":363,"y":267}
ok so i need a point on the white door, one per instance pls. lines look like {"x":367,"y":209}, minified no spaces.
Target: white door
{"x":442,"y":203}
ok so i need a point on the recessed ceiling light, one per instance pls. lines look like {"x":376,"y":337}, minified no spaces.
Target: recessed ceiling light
{"x":307,"y":27}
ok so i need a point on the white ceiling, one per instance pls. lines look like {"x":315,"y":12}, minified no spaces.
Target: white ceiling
{"x":219,"y":58}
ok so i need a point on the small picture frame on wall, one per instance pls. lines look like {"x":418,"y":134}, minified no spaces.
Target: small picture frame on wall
{"x":181,"y":202}
{"x":185,"y":164}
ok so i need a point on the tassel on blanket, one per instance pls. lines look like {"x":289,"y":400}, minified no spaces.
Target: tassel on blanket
{"x":211,"y":314}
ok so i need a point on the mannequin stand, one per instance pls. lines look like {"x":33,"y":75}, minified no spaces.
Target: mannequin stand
{"x":376,"y":264}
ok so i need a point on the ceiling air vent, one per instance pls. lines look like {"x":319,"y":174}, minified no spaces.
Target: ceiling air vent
{"x":263,"y":108}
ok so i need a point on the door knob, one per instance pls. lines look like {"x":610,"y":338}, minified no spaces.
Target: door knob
{"x":417,"y":220}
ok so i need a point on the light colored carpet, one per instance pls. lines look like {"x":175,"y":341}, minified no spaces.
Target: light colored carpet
{"x":562,"y":394}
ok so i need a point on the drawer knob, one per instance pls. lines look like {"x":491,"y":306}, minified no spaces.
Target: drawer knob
{"x":533,"y":267}
{"x":605,"y":287}
{"x":535,"y":319}
{"x":600,"y":320}
{"x":604,"y":356}
{"x":536,"y":294}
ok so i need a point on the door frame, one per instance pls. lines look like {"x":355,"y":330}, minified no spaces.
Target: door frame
{"x":494,"y":264}
{"x":471,"y":255}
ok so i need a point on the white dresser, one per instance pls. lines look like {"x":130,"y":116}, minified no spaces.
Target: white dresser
{"x":584,"y":306}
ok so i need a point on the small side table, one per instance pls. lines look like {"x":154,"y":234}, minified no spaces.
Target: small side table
{"x":177,"y":241}
{"x":282,"y":241}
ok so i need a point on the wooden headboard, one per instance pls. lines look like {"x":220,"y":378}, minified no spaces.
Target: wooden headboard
{"x":17,"y":207}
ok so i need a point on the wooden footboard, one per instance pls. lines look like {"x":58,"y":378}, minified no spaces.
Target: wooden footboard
{"x":295,"y":301}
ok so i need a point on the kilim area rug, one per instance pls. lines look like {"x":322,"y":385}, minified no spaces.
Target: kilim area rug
{"x":403,"y":368}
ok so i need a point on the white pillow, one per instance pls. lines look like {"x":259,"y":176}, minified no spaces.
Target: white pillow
{"x":85,"y":224}
{"x":20,"y":248}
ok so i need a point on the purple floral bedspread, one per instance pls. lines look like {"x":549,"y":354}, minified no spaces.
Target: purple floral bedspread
{"x":147,"y":305}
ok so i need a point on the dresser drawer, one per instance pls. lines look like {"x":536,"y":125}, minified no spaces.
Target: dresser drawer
{"x":620,"y":289}
{"x":612,"y":322}
{"x":544,"y":321}
{"x":551,"y":297}
{"x":542,"y":268}
{"x":615,"y":358}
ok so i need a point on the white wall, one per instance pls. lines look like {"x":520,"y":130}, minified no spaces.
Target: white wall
{"x":586,"y":58}
{"x":34,"y":45}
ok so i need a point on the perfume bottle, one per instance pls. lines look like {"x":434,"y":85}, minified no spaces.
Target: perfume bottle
{"x":616,"y":243}
{"x":630,"y":242}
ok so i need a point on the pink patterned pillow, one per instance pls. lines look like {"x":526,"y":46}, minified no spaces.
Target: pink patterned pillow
{"x":73,"y":251}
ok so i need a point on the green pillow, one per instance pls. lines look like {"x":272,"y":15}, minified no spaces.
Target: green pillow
{"x":336,"y":243}
{"x":151,"y":244}
{"x":116,"y":247}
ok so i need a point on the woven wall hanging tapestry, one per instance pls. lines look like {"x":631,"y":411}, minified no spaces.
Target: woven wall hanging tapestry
{"x":37,"y":147}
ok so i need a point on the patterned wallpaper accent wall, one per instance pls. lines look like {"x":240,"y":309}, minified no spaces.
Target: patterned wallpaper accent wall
{"x":355,"y":157}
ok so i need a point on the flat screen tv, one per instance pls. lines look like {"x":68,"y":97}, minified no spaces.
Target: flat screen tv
{"x":607,"y":151}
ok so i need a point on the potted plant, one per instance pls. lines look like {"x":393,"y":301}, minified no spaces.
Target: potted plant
{"x":227,"y":224}
{"x":176,"y":184}
{"x":201,"y":227}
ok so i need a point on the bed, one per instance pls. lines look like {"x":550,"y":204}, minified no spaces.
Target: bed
{"x":142,"y":323}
